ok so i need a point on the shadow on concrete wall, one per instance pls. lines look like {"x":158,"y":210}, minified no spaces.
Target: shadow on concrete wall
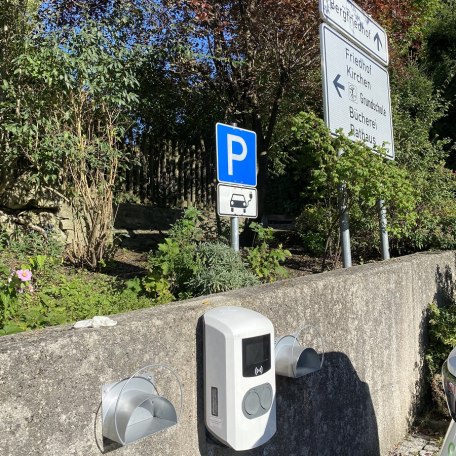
{"x":421,"y":392}
{"x":326,"y":413}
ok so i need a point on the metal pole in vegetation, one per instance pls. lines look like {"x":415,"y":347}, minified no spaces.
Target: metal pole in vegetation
{"x":234,"y":223}
{"x":235,"y":233}
{"x":383,"y":232}
{"x":344,"y":228}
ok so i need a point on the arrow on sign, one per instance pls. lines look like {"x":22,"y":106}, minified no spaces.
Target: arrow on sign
{"x":338,"y":85}
{"x":378,"y":40}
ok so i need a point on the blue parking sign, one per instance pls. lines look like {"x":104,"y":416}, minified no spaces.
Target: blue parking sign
{"x":236,"y":155}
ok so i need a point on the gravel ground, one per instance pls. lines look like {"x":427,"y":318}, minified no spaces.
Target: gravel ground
{"x":417,"y":445}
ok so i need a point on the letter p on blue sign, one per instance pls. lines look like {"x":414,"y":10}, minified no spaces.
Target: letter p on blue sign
{"x":236,"y":155}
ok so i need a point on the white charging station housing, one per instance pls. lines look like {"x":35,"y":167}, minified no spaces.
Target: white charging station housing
{"x":239,"y":377}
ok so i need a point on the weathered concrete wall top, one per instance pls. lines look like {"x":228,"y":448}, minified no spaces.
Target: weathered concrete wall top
{"x":360,"y":403}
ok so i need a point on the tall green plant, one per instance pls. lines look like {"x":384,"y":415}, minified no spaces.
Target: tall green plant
{"x":65,"y":111}
{"x":264,"y":260}
{"x":174,"y":263}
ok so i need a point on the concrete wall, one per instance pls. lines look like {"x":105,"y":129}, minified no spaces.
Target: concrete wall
{"x":360,"y":403}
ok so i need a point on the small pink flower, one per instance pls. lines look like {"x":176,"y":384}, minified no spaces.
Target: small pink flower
{"x":30,"y":288}
{"x":24,"y":275}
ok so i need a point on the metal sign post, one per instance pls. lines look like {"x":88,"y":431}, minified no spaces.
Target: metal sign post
{"x":344,"y":228}
{"x":234,"y":225}
{"x":237,"y":168}
{"x":383,"y":232}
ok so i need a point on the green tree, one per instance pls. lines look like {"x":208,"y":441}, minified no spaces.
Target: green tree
{"x":417,"y":107}
{"x":249,"y":55}
{"x":66,"y":108}
{"x":13,"y":31}
{"x":439,"y":59}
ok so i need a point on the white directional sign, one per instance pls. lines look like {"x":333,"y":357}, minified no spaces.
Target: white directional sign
{"x":352,"y":21}
{"x":356,"y":92}
{"x":237,"y":201}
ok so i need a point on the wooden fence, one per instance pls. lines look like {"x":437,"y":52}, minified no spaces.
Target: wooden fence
{"x":170,"y":173}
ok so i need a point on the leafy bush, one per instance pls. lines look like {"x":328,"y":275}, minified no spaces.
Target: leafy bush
{"x":36,"y":291}
{"x":22,"y":269}
{"x":64,"y":113}
{"x":442,"y":335}
{"x":264,"y":260}
{"x":219,"y":268}
{"x":366,"y":177}
{"x":185,"y":266}
{"x":65,"y":299}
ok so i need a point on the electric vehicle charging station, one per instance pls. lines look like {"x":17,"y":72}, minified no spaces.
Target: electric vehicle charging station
{"x":239,"y":377}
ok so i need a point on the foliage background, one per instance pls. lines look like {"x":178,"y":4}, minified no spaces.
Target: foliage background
{"x":109,"y":98}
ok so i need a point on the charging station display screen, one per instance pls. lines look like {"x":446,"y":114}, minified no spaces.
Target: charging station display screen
{"x":256,"y":355}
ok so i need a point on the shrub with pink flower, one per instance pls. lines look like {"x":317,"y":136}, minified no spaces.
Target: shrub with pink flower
{"x":24,"y":275}
{"x":19,"y":281}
